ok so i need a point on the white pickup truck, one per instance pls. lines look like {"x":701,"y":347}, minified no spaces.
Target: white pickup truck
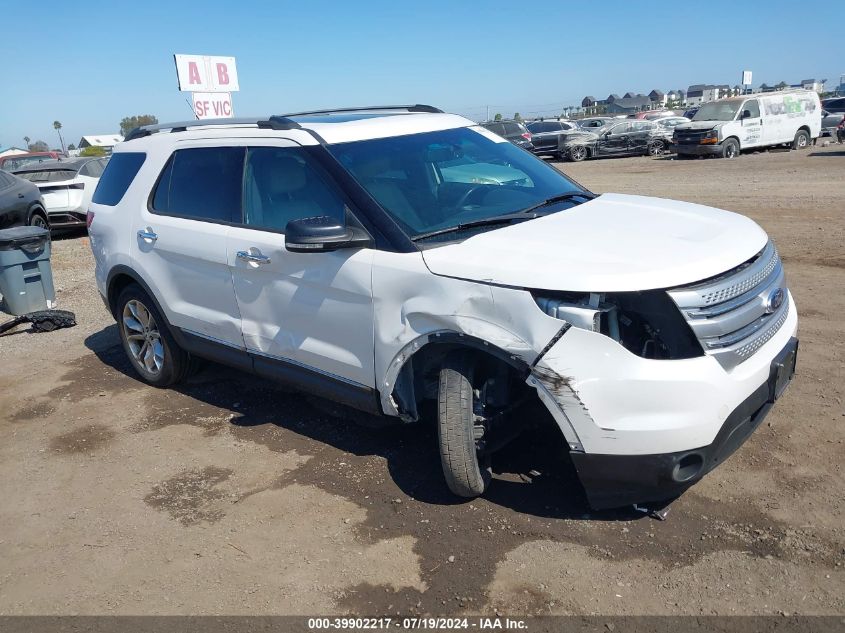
{"x":728,"y":126}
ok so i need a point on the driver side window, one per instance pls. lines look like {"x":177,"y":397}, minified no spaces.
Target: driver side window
{"x":753,"y":107}
{"x":622,"y":128}
{"x":283,"y":184}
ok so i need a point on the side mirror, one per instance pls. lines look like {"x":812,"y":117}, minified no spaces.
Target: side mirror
{"x":323,"y":234}
{"x":746,"y":114}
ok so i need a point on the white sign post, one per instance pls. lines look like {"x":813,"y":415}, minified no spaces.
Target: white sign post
{"x":212,"y":105}
{"x":746,"y":80}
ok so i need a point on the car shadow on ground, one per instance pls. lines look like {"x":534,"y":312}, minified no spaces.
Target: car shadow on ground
{"x":532,"y":475}
{"x":838,"y":153}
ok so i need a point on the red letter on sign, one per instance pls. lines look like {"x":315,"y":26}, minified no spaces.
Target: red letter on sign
{"x":193,"y":73}
{"x":222,"y":75}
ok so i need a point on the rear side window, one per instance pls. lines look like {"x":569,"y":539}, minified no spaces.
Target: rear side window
{"x":203,"y":183}
{"x":118,"y":175}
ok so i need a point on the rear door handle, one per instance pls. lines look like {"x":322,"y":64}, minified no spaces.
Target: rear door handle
{"x":253,"y":258}
{"x":148,"y":235}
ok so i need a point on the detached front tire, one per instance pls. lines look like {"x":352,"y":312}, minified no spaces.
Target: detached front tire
{"x":466,"y":469}
{"x":147,"y":340}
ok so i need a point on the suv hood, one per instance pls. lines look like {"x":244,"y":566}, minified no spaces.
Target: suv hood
{"x":613,"y":243}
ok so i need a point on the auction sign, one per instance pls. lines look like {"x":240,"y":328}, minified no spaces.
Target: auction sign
{"x":211,"y":81}
{"x":212,"y":105}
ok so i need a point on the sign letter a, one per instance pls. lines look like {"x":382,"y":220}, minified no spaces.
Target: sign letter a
{"x":193,"y":74}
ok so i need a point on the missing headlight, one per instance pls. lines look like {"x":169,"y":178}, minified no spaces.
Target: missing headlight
{"x":646,"y":323}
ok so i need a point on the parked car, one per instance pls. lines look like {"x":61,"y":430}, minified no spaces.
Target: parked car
{"x":620,"y":138}
{"x":545,"y":135}
{"x":67,"y":186}
{"x":20,"y":203}
{"x":831,"y":121}
{"x":653,"y":115}
{"x":834,"y":104}
{"x":17,"y":161}
{"x":326,"y":250}
{"x":726,"y":127}
{"x":514,"y":131}
{"x":594,"y":122}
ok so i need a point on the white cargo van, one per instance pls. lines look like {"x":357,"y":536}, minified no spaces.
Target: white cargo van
{"x":728,"y":126}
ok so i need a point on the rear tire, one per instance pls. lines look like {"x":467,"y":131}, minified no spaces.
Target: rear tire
{"x":147,"y":340}
{"x":802,"y":140}
{"x":730,"y":148}
{"x":39,"y":218}
{"x":465,"y":475}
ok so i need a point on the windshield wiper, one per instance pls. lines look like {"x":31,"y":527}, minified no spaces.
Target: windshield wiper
{"x":524,"y":214}
{"x":558,"y":198}
{"x":497,"y":219}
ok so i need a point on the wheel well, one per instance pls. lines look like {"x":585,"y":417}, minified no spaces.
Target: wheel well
{"x":37,"y":209}
{"x":116,"y":286}
{"x":804,"y":128}
{"x":418,"y":380}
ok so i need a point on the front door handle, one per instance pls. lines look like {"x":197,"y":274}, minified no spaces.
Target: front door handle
{"x":148,"y":235}
{"x":20,"y":195}
{"x":253,"y":258}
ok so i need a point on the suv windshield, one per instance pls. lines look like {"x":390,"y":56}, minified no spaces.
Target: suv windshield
{"x":436,"y":180}
{"x":717,"y":111}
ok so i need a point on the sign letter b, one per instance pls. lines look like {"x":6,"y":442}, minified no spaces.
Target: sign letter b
{"x":222,"y":75}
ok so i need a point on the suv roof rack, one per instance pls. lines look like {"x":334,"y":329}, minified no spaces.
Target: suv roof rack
{"x":417,"y":107}
{"x":275,"y":122}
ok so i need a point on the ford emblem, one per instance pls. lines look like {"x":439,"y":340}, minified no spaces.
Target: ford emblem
{"x":774,"y":300}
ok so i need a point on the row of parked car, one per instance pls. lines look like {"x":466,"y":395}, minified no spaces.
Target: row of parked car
{"x":46,"y":191}
{"x":718,"y":128}
{"x":594,"y":136}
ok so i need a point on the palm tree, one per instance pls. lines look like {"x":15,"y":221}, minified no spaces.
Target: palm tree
{"x":26,"y":140}
{"x":58,"y":127}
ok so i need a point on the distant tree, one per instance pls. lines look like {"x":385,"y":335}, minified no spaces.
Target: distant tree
{"x":92,"y":150}
{"x":129,"y":123}
{"x":782,"y":85}
{"x":517,"y":116}
{"x":26,"y":140}
{"x":58,"y":127}
{"x":498,"y":117}
{"x":71,"y":147}
{"x":39,"y":146}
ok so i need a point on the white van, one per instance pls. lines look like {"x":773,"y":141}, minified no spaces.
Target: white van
{"x":728,"y":126}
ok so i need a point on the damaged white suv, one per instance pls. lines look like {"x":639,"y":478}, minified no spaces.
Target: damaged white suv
{"x":386,"y":257}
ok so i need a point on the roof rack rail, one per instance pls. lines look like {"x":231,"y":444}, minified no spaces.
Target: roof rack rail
{"x":276,"y":122}
{"x":181,"y":126}
{"x":417,"y":107}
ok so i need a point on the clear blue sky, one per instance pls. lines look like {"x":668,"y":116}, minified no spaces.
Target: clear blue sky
{"x":89,"y":64}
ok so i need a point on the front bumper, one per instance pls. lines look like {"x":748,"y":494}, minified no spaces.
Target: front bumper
{"x":615,"y":480}
{"x":693,"y":149}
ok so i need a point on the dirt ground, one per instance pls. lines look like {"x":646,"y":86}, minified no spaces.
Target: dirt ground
{"x":228,"y":496}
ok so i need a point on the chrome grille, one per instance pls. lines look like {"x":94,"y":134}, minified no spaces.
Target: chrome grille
{"x":731,"y":315}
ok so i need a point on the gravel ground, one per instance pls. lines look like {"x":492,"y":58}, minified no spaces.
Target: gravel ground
{"x":230,"y":496}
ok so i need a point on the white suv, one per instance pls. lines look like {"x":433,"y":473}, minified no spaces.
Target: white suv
{"x":386,"y":257}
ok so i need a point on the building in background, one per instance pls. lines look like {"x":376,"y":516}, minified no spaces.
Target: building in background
{"x":12,"y":151}
{"x":106,"y":141}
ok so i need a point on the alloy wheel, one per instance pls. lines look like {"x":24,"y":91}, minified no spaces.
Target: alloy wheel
{"x":143,"y":337}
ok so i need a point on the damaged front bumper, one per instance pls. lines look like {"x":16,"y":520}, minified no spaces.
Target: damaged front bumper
{"x":644,"y":430}
{"x":615,"y":480}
